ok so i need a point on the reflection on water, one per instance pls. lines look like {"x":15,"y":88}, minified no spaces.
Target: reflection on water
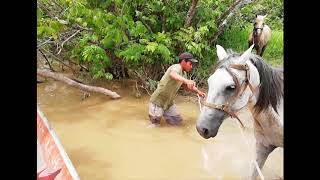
{"x":113,"y":139}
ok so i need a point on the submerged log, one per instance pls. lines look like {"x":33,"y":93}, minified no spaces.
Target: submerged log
{"x":60,"y":77}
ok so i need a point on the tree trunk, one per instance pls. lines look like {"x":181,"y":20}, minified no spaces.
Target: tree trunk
{"x":163,"y":17}
{"x":83,"y":87}
{"x":227,"y":12}
{"x":223,"y":19}
{"x":191,"y":13}
{"x":45,"y":9}
{"x":57,"y":59}
{"x":45,"y":57}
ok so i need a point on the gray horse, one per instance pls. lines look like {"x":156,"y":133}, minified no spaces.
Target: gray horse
{"x":240,"y":81}
{"x":260,"y":35}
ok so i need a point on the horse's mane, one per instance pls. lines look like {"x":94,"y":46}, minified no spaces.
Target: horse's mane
{"x":271,"y":81}
{"x":271,"y":84}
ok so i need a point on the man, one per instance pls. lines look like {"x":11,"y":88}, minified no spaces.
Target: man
{"x":162,"y":100}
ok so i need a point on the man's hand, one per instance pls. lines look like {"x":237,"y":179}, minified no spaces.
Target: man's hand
{"x":190,"y":84}
{"x":202,"y":94}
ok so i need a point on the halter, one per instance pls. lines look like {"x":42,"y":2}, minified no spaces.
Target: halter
{"x":255,"y":31}
{"x":226,"y":107}
{"x":256,"y":28}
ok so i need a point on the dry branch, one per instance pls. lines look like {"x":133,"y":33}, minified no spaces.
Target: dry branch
{"x":83,"y":87}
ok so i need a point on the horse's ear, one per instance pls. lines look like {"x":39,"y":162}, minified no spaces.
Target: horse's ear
{"x":243,"y":58}
{"x":221,"y":52}
{"x":265,"y":16}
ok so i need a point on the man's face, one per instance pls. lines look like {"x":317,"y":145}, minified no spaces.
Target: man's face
{"x":187,"y":65}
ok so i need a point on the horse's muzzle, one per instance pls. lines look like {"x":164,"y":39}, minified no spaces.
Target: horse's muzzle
{"x":206,"y":133}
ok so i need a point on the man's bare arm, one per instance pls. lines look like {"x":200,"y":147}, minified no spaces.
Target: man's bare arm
{"x":174,"y":75}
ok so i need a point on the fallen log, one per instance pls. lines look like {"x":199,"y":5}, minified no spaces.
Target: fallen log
{"x":60,"y":77}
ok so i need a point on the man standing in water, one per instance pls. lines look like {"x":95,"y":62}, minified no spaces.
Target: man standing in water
{"x":162,"y":99}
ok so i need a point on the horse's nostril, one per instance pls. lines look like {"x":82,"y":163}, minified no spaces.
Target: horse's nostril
{"x":205,"y":131}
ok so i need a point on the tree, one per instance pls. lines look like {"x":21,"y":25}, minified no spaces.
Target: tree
{"x":136,"y":38}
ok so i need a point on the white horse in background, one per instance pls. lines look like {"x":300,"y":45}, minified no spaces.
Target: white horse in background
{"x":260,"y":35}
{"x":240,"y":81}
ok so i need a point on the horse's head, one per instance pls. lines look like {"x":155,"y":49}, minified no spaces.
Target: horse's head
{"x":258,"y":24}
{"x":228,"y":90}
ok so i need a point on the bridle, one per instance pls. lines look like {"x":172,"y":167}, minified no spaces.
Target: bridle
{"x":256,"y":28}
{"x":238,"y":91}
{"x":255,"y":31}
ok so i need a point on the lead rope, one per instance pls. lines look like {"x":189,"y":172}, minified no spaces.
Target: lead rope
{"x":248,"y":145}
{"x":243,"y":136}
{"x":199,"y":99}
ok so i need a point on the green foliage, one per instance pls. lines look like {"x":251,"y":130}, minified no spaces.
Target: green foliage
{"x":149,"y":35}
{"x":273,"y":9}
{"x":103,"y":4}
{"x":48,"y":27}
{"x":97,"y":55}
{"x":164,"y":52}
{"x":138,"y":30}
{"x":133,"y":53}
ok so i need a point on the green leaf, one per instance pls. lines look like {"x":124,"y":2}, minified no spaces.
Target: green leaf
{"x":161,"y":37}
{"x":40,"y":30}
{"x":151,"y":46}
{"x":165,"y":53}
{"x":117,"y":36}
{"x":197,"y":36}
{"x":79,"y":20}
{"x":143,"y":41}
{"x":94,"y":38}
{"x":108,"y":76}
{"x":107,"y":42}
{"x":138,"y":30}
{"x":132,"y":53}
{"x":106,"y":60}
{"x":39,"y":14}
{"x":55,"y":36}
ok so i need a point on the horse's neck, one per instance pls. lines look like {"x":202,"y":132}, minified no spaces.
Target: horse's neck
{"x":268,"y":125}
{"x":269,"y":113}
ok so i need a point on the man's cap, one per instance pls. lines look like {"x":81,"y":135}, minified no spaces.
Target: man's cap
{"x":187,"y":56}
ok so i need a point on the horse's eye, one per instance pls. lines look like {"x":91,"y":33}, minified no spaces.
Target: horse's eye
{"x":231,"y":88}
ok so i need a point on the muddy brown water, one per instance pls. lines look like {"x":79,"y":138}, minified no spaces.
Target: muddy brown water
{"x":112,"y":139}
